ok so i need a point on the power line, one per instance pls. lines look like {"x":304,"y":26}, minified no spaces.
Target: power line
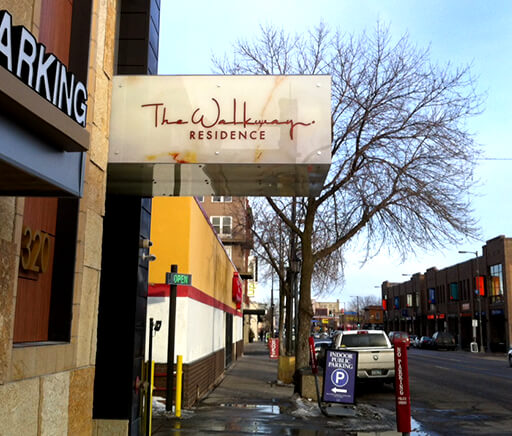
{"x":495,"y":158}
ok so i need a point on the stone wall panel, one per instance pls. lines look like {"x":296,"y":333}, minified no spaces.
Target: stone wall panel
{"x":81,"y":385}
{"x":54,"y":404}
{"x":7,"y":286}
{"x":19,"y":407}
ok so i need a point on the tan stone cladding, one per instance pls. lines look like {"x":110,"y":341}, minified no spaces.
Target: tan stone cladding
{"x":48,"y":389}
{"x":7,"y":287}
{"x":80,"y":402}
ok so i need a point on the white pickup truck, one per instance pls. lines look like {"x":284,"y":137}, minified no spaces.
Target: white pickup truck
{"x":375,"y":354}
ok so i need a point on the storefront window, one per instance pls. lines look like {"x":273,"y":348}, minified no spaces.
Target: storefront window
{"x":49,"y":234}
{"x":496,"y":280}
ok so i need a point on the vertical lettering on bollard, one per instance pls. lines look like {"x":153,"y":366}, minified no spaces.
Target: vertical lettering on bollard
{"x":402,"y":395}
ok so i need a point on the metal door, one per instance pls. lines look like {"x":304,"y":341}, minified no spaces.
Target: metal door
{"x":229,"y":338}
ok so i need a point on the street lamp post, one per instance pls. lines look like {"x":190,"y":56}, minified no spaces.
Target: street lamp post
{"x":272,"y":307}
{"x":357,"y":304}
{"x":477,"y":291}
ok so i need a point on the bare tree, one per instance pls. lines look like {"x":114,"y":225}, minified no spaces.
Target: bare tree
{"x":358,"y":303}
{"x":402,"y":155}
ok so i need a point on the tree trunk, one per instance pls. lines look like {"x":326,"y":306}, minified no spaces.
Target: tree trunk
{"x":305,"y":307}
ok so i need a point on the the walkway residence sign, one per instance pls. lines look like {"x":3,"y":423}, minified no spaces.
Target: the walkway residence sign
{"x":238,"y":135}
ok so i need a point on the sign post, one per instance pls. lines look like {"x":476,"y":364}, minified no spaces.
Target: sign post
{"x":402,"y":395}
{"x":340,"y":376}
{"x":170,"y":341}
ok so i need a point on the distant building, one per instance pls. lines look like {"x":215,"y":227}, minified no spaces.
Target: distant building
{"x":456,"y":298}
{"x":373,"y":317}
{"x":231,"y":218}
{"x":326,"y":315}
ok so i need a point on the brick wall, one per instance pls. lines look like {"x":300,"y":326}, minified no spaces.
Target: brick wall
{"x":199,"y":378}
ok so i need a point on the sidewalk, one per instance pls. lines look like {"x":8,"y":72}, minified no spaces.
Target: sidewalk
{"x":249,"y":400}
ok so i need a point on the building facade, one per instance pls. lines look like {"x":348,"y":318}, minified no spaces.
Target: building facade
{"x":326,"y":315}
{"x":231,"y":219}
{"x":56,"y":66}
{"x":208,"y":327}
{"x":373,"y":317}
{"x":470,"y":299}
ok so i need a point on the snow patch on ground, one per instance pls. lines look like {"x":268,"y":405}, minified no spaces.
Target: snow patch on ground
{"x":159,"y":409}
{"x":304,"y":408}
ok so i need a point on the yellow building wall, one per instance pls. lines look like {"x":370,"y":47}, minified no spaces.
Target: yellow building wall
{"x":170,"y":234}
{"x":182,"y":235}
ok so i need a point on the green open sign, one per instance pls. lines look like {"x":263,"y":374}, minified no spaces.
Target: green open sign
{"x":178,"y":279}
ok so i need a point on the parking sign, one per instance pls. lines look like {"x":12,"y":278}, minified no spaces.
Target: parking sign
{"x":340,"y":376}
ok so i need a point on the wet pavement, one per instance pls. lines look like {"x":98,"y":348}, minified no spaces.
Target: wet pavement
{"x":249,"y":401}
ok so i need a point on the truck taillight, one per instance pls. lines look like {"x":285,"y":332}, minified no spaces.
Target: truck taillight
{"x":362,"y":332}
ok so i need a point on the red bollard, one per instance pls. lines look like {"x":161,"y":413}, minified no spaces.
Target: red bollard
{"x":312,"y":356}
{"x":273,"y":348}
{"x":402,"y":394}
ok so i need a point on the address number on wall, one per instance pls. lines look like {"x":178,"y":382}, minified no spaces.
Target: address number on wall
{"x":35,"y":250}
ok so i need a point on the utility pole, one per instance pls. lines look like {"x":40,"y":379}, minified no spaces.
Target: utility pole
{"x":357,"y":305}
{"x":479,"y":297}
{"x":272,"y":306}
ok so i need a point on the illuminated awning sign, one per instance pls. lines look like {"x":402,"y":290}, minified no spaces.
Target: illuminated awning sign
{"x":239,"y":135}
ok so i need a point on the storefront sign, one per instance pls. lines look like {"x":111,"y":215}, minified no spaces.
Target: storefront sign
{"x":35,"y":250}
{"x":178,"y":279}
{"x":340,"y":376}
{"x":28,"y":60}
{"x":240,"y":135}
{"x":237,"y":291}
{"x":251,"y":288}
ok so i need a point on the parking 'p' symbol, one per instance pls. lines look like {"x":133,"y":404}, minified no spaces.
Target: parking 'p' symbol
{"x":339,"y":377}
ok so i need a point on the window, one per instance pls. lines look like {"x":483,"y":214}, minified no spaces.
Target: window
{"x":454,"y":291}
{"x":222,"y":225}
{"x":409,"y":300}
{"x":200,"y":198}
{"x":431,"y":296}
{"x":221,"y":199}
{"x":364,"y":340}
{"x":44,"y":300}
{"x":229,"y":251}
{"x":496,"y":280}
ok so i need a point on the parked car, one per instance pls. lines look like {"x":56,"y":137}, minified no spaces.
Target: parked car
{"x":443,"y":341}
{"x":414,"y":340}
{"x":402,"y":336}
{"x":425,"y":342}
{"x":321,"y":344}
{"x":375,"y":355}
{"x":510,"y":357}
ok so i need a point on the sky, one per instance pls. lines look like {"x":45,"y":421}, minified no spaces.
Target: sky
{"x":461,"y":32}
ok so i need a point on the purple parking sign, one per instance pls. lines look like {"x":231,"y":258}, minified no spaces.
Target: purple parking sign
{"x":340,"y":376}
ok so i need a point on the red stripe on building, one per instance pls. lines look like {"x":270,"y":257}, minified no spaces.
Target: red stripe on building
{"x":163,"y":290}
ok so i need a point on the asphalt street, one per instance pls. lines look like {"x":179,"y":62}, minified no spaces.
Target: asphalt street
{"x":452,"y":393}
{"x":459,"y":392}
